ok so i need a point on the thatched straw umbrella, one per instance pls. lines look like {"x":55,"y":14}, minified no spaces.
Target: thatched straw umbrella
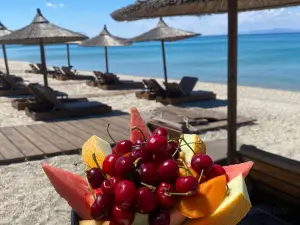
{"x":162,"y":32}
{"x":68,"y":50}
{"x":41,"y":32}
{"x":105,"y":39}
{"x":159,"y":8}
{"x":4,"y":31}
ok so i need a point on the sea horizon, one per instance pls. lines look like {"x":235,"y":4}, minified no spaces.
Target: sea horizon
{"x":264,"y":60}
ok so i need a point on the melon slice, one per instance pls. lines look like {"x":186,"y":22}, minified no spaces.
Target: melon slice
{"x":72,"y":187}
{"x":233,"y":171}
{"x":232,"y":210}
{"x":137,"y":121}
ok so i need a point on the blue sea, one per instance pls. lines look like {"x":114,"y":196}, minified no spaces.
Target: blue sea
{"x":264,"y":60}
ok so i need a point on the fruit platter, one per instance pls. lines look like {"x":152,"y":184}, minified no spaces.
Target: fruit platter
{"x":152,"y":179}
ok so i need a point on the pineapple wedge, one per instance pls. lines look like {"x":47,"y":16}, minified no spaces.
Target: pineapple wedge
{"x":194,"y":141}
{"x":93,"y":222}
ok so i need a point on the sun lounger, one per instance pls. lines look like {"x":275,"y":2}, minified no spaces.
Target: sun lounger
{"x":177,"y":92}
{"x":59,"y":109}
{"x":11,"y":86}
{"x":34,"y":68}
{"x":69,"y":74}
{"x":195,"y":121}
{"x":22,"y":103}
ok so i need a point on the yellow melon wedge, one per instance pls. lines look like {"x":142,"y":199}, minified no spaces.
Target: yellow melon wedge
{"x":194,"y":141}
{"x":96,"y":145}
{"x":232,"y":210}
{"x":93,"y":222}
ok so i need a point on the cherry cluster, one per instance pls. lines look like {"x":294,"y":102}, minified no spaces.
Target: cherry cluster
{"x":144,"y":177}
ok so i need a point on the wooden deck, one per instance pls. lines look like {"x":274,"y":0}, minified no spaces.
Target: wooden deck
{"x":32,"y":142}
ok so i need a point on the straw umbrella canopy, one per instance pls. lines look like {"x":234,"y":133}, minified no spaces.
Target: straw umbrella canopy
{"x":158,"y":8}
{"x":41,"y":32}
{"x":106,"y":39}
{"x":162,"y":32}
{"x":4,"y":31}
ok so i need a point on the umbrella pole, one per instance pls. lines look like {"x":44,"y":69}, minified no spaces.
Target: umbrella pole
{"x":106,"y":59}
{"x":5,"y":58}
{"x":232,"y":79}
{"x":68,"y":55}
{"x":165,"y":65}
{"x":43,"y":61}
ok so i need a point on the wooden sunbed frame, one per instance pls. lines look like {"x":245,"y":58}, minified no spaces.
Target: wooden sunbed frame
{"x":12,"y":86}
{"x":68,"y":74}
{"x":60,"y":109}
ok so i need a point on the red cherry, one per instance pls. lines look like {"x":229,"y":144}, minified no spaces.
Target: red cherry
{"x":123,"y":147}
{"x":123,"y":166}
{"x":159,"y":217}
{"x":140,"y":152}
{"x":160,"y":158}
{"x":95,"y":177}
{"x":201,"y":162}
{"x":109,"y":162}
{"x":216,"y":171}
{"x":173,"y":148}
{"x":109,"y":186}
{"x":168,"y":170}
{"x":165,"y":200}
{"x":138,"y":142}
{"x":161,"y":131}
{"x":186,"y":184}
{"x":101,"y":207}
{"x":90,"y":197}
{"x":157,"y":144}
{"x":122,"y":216}
{"x":125,"y":194}
{"x":203,"y":179}
{"x":114,"y":150}
{"x":146,"y":200}
{"x":148,"y":174}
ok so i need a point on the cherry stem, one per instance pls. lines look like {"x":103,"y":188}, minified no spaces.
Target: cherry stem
{"x":186,"y":170}
{"x":107,"y":129}
{"x":135,"y":164}
{"x":185,"y":166}
{"x":152,"y":188}
{"x":90,"y":188}
{"x":188,"y":145}
{"x":177,"y":149}
{"x":227,"y":190}
{"x":189,"y":193}
{"x":95,"y":160}
{"x":199,"y":180}
{"x":137,"y":128}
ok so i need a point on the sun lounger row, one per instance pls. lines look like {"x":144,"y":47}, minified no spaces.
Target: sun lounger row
{"x":63,"y":73}
{"x":177,"y":92}
{"x":110,"y":81}
{"x":47,"y":106}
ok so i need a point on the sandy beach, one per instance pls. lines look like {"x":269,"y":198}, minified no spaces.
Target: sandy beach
{"x":25,"y":193}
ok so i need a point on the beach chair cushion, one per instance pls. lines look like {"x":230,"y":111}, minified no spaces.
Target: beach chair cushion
{"x":187,"y":84}
{"x":77,"y":105}
{"x":156,"y":87}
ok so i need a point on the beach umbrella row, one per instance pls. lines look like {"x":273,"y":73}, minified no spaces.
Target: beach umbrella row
{"x":160,"y":8}
{"x":40,"y":32}
{"x":4,"y":31}
{"x":106,"y":39}
{"x":162,"y":32}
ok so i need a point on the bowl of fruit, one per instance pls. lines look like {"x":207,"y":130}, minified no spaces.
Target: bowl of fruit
{"x":152,"y":179}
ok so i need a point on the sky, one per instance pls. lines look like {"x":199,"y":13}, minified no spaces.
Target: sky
{"x":89,"y":16}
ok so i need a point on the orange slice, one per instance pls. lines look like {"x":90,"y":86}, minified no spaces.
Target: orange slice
{"x":210,"y":195}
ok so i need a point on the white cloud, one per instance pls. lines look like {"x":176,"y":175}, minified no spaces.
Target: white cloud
{"x":52,"y":5}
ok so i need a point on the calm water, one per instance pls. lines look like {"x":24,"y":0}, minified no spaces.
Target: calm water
{"x":271,"y":60}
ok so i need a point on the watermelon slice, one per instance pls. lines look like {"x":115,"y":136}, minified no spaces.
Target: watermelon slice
{"x":137,"y":121}
{"x":233,"y":171}
{"x":73,"y":188}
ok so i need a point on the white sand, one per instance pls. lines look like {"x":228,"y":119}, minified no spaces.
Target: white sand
{"x":26,"y":196}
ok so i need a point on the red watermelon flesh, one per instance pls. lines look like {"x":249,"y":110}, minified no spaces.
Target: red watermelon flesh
{"x":233,"y":171}
{"x":72,"y":187}
{"x":137,"y":121}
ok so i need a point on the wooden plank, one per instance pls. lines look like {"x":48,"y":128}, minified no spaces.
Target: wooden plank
{"x":58,"y":141}
{"x":73,"y":130}
{"x":82,"y":124}
{"x":65,"y":135}
{"x":43,"y":144}
{"x":117,"y":126}
{"x":8,"y":150}
{"x":24,"y":145}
